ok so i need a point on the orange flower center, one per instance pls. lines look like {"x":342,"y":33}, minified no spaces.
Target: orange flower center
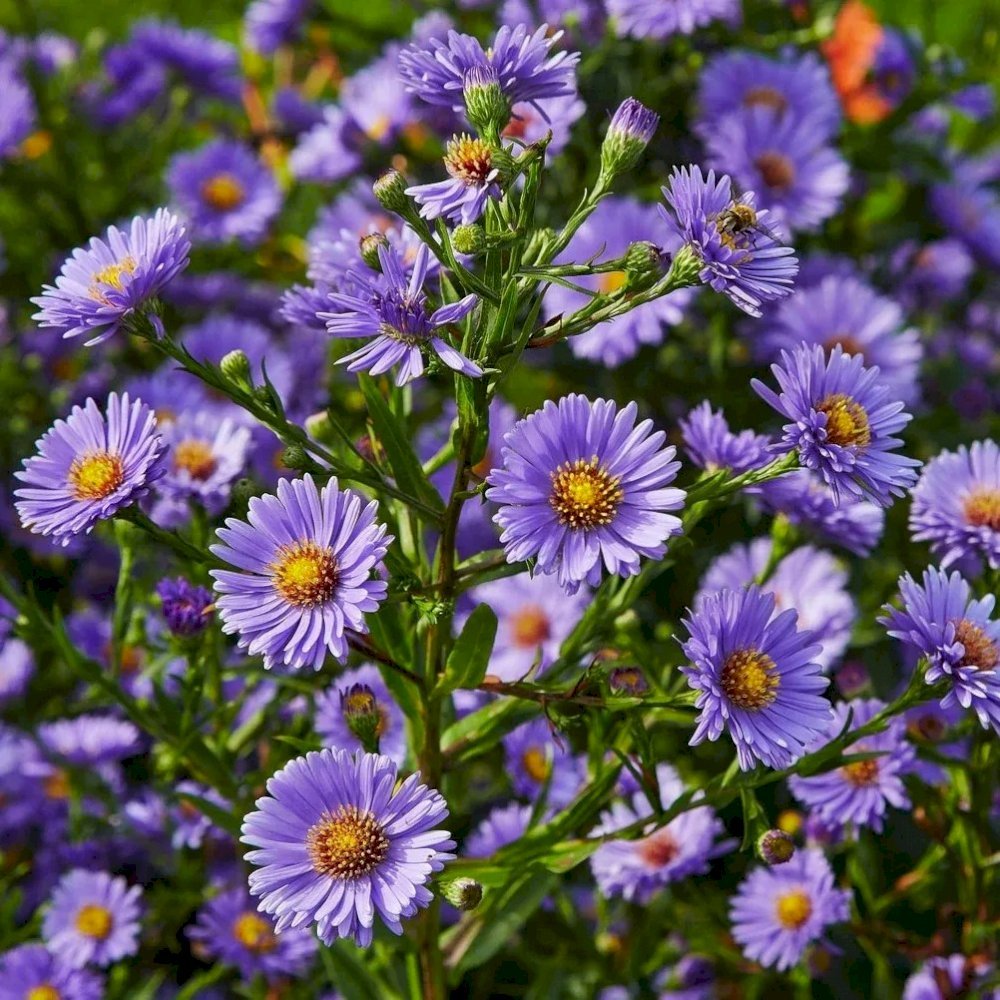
{"x":980,"y":650}
{"x":468,"y":160}
{"x":847,"y":343}
{"x":610,"y":281}
{"x":862,"y":773}
{"x":536,"y":764}
{"x":305,"y":574}
{"x":94,"y":921}
{"x":223,"y":192}
{"x":982,"y":508}
{"x":348,"y":844}
{"x":255,"y":933}
{"x":750,"y":679}
{"x":776,"y":170}
{"x":765,"y":97}
{"x":194,"y":457}
{"x":659,"y":849}
{"x":110,"y":277}
{"x":96,"y":475}
{"x":793,"y":909}
{"x":584,"y":494}
{"x":846,"y":421}
{"x":530,"y":626}
{"x":56,"y":785}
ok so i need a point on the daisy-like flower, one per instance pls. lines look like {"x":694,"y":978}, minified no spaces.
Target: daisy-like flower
{"x":88,"y":467}
{"x":778,"y":912}
{"x":943,"y":622}
{"x":947,"y":978}
{"x":337,"y":843}
{"x":191,"y":827}
{"x":534,"y":616}
{"x":846,"y":311}
{"x":469,"y":163}
{"x":89,"y":740}
{"x":637,"y":869}
{"x":583,"y":487}
{"x":711,"y":445}
{"x":224,"y":193}
{"x":304,"y":563}
{"x":185,"y":606}
{"x":17,"y":665}
{"x":92,"y":919}
{"x":655,"y":19}
{"x":393,"y":312}
{"x":843,"y":418}
{"x":17,"y":117}
{"x":518,"y":61}
{"x":269,"y":24}
{"x":103,"y":286}
{"x":502,"y":826}
{"x":956,"y":505}
{"x":32,"y":971}
{"x":757,"y":676}
{"x":740,"y":256}
{"x":809,"y":580}
{"x":230,"y":929}
{"x":354,"y":691}
{"x":861,"y":791}
{"x":205,"y":63}
{"x":538,"y":763}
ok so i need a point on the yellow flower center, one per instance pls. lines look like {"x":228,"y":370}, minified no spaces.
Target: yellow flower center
{"x":862,"y":773}
{"x":750,"y":679}
{"x":536,"y":764}
{"x":793,"y":909}
{"x":982,"y":508}
{"x":468,"y":160}
{"x":223,"y":192}
{"x":305,"y":574}
{"x":980,"y":650}
{"x":95,"y":475}
{"x":194,"y":457}
{"x":44,"y":991}
{"x":584,"y":494}
{"x":379,"y":128}
{"x":255,"y":933}
{"x":94,"y":921}
{"x":348,"y":844}
{"x":846,"y":421}
{"x":56,"y":785}
{"x":110,"y":277}
{"x":659,"y":849}
{"x":765,"y":97}
{"x":530,"y":626}
{"x":776,"y":170}
{"x":611,"y":281}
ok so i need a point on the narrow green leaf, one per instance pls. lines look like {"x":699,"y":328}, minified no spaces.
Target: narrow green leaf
{"x":470,"y":656}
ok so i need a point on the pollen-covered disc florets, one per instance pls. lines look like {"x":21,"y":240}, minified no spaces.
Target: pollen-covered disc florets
{"x":348,"y":844}
{"x":584,"y":494}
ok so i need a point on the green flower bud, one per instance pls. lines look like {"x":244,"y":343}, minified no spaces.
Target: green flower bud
{"x":643,"y":263}
{"x":362,"y":715}
{"x":463,"y":893}
{"x":235,"y":366}
{"x":628,"y":681}
{"x":318,"y":426}
{"x":368,"y":245}
{"x":469,"y":239}
{"x":295,"y":457}
{"x":774,"y":847}
{"x":243,"y":491}
{"x":486,"y":105}
{"x":631,"y":128}
{"x":390,"y":192}
{"x":685,"y":269}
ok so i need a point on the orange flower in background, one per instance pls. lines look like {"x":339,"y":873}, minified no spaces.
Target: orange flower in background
{"x":850,"y":52}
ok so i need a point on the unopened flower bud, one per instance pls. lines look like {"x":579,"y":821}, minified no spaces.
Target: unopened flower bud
{"x":295,"y":457}
{"x":318,"y":426}
{"x":368,"y":246}
{"x":361,"y":713}
{"x":631,"y":128}
{"x":463,"y":893}
{"x":775,"y":847}
{"x":486,"y":105}
{"x":235,"y":366}
{"x":390,"y":192}
{"x":643,"y":263}
{"x":686,"y":268}
{"x":629,"y":681}
{"x":243,"y":491}
{"x":469,"y":239}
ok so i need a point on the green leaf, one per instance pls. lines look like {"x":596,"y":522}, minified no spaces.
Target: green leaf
{"x":353,"y":979}
{"x":477,"y":732}
{"x":470,"y":656}
{"x":396,"y":438}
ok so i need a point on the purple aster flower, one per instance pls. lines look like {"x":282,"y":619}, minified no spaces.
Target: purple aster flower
{"x":970,"y":210}
{"x":132,"y":83}
{"x":502,"y":826}
{"x":191,"y":827}
{"x":950,"y":978}
{"x":637,"y":869}
{"x":88,"y":467}
{"x":101,"y":286}
{"x":933,"y":273}
{"x":305,"y":559}
{"x":517,"y":60}
{"x":711,"y":445}
{"x":809,"y":580}
{"x":17,"y":665}
{"x":185,"y":606}
{"x":847,"y":312}
{"x":584,"y":487}
{"x":395,"y":314}
{"x":608,"y":233}
{"x":325,"y":154}
{"x":205,"y":454}
{"x":32,"y":971}
{"x":534,"y":616}
{"x":339,"y":843}
{"x":205,"y":63}
{"x":956,"y":504}
{"x":842,"y":418}
{"x":740,"y":256}
{"x":90,"y":739}
{"x":334,"y":705}
{"x":929,"y":726}
{"x":269,"y":24}
{"x":218,"y":290}
{"x":231,"y":930}
{"x":859,"y":792}
{"x":377,"y":103}
{"x":294,"y":112}
{"x":785,"y":161}
{"x":692,"y":978}
{"x":224,"y":193}
{"x":556,"y":115}
{"x":757,"y":676}
{"x":797,"y":85}
{"x":581,"y":18}
{"x":17,"y":114}
{"x":943,"y":622}
{"x":469,"y":163}
{"x":538,"y":763}
{"x":807,"y":501}
{"x":778,"y":912}
{"x":92,"y":918}
{"x":656,"y":20}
